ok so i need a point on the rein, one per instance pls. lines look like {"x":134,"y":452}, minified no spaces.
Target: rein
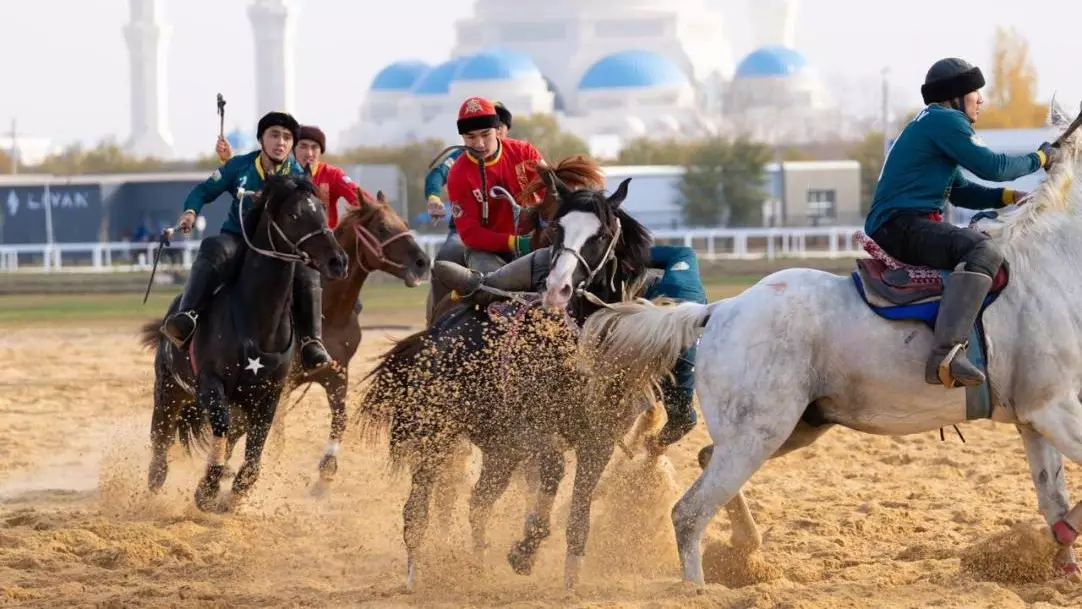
{"x":296,"y":255}
{"x":372,"y":245}
{"x":609,"y":257}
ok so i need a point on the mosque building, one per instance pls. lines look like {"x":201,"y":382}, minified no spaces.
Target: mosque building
{"x":654,"y":68}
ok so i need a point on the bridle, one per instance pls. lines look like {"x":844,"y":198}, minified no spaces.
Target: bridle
{"x":371,"y":245}
{"x":295,"y":255}
{"x":592,"y":272}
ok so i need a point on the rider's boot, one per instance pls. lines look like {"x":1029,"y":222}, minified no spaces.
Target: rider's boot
{"x":308,"y":309}
{"x":962,"y":298}
{"x":180,"y":326}
{"x":515,"y":276}
{"x":680,"y":415}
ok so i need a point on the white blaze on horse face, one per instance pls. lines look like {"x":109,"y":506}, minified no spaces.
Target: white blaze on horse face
{"x":578,"y":227}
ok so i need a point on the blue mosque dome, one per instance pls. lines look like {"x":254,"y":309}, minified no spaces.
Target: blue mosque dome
{"x":496,"y":64}
{"x":399,"y":76}
{"x":240,"y":140}
{"x":437,"y":81}
{"x":633,"y":69}
{"x":772,"y":61}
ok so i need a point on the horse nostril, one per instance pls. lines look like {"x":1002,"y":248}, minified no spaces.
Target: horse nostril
{"x":565,"y":291}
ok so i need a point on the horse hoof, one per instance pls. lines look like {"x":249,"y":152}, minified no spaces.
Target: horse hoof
{"x":328,"y":467}
{"x":520,"y":559}
{"x":207,"y":491}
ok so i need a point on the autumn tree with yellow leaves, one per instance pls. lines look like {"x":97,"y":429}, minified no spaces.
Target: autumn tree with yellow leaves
{"x":1011,"y":95}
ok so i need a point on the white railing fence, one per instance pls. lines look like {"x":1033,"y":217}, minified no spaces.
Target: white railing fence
{"x":710,"y":243}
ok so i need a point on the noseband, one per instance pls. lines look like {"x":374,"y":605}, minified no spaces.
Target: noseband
{"x":592,"y":272}
{"x":295,"y":255}
{"x":371,"y":245}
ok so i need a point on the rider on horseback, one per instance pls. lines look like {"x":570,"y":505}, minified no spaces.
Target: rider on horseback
{"x":487,"y":226}
{"x":276,"y":133}
{"x":679,"y":281}
{"x":452,"y":248}
{"x":922,"y":170}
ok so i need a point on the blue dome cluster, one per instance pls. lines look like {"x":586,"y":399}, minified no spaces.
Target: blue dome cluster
{"x":399,"y":76}
{"x":497,"y":64}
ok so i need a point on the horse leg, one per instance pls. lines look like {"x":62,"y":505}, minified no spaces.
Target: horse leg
{"x":496,"y":469}
{"x":335,"y":386}
{"x":258,"y":429}
{"x":546,"y":469}
{"x":212,"y":400}
{"x":450,"y":478}
{"x":1046,"y":467}
{"x":169,"y":399}
{"x":592,"y":460}
{"x":415,"y":511}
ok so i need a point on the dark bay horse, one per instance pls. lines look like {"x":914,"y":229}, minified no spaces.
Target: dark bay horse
{"x":378,"y":240}
{"x":468,"y":376}
{"x":232,"y":375}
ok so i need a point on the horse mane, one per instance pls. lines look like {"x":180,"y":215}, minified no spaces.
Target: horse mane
{"x":1055,"y":194}
{"x":276,"y":190}
{"x":364,"y":213}
{"x":576,"y":172}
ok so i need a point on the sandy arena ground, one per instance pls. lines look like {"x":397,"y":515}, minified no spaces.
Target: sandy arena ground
{"x":854,"y":521}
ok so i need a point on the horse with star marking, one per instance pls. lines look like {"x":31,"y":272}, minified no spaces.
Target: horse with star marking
{"x":232,"y":374}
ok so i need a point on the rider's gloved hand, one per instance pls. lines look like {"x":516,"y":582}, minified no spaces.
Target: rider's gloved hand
{"x":436,"y":208}
{"x":186,"y":222}
{"x":1050,"y":155}
{"x":520,"y":244}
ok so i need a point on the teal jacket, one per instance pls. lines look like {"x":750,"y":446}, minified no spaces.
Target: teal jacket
{"x":923,"y":168}
{"x":436,"y":179}
{"x":681,"y":280}
{"x":240,"y":171}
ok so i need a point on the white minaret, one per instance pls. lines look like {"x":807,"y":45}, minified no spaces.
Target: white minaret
{"x":147,"y":37}
{"x":272,"y":24}
{"x":774,"y":22}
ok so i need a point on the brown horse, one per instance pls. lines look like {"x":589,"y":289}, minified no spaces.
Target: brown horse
{"x":467,"y":377}
{"x":377,"y":239}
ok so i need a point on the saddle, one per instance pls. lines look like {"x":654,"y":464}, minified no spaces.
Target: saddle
{"x":887,"y":281}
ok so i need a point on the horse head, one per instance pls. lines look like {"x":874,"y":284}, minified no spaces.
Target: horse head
{"x":576,"y":172}
{"x":596,"y":246}
{"x":380,"y":240}
{"x":288,"y":211}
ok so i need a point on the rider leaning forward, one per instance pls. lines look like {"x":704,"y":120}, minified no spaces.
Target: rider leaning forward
{"x":276,"y":133}
{"x":921,"y":171}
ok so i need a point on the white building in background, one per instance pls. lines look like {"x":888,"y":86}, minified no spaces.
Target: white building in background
{"x":611,"y":70}
{"x":147,"y":37}
{"x":273,"y":23}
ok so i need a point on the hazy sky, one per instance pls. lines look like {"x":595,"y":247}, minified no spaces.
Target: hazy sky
{"x":66,"y":70}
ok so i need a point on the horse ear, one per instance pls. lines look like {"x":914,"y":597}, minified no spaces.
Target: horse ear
{"x":562,"y":191}
{"x":380,"y":197}
{"x":1056,"y":116}
{"x":621,"y":193}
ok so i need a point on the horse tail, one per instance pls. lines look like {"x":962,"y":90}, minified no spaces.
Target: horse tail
{"x":638,"y":342}
{"x":386,"y":395}
{"x":192,"y":427}
{"x":150,"y":334}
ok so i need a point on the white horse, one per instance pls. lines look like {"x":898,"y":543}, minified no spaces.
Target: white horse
{"x":801,"y":351}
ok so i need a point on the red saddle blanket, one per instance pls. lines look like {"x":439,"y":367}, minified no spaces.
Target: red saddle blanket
{"x":902,"y":283}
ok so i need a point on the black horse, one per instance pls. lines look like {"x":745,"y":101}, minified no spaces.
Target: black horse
{"x":232,"y":374}
{"x":509,"y":382}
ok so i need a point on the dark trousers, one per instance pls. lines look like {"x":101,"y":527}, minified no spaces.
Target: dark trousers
{"x":918,"y":240}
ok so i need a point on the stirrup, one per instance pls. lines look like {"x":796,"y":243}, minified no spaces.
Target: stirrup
{"x":944,"y":370}
{"x":330,"y":363}
{"x":179,"y":344}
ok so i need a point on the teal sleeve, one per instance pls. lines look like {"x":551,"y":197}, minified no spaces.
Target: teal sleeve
{"x":223,"y":180}
{"x":971,"y":195}
{"x":956,"y":138}
{"x":436,"y":179}
{"x":663,"y":256}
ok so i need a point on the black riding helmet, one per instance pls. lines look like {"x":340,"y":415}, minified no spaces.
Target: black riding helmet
{"x":503,"y":113}
{"x":278,"y":119}
{"x":949,"y":80}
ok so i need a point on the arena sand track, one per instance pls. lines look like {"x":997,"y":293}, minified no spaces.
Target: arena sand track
{"x":855,"y":521}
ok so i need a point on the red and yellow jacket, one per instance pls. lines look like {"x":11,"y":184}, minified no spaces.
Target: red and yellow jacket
{"x":513,"y":167}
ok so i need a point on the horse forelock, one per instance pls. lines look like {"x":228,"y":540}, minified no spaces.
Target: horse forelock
{"x":368,"y":211}
{"x":577,"y":172}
